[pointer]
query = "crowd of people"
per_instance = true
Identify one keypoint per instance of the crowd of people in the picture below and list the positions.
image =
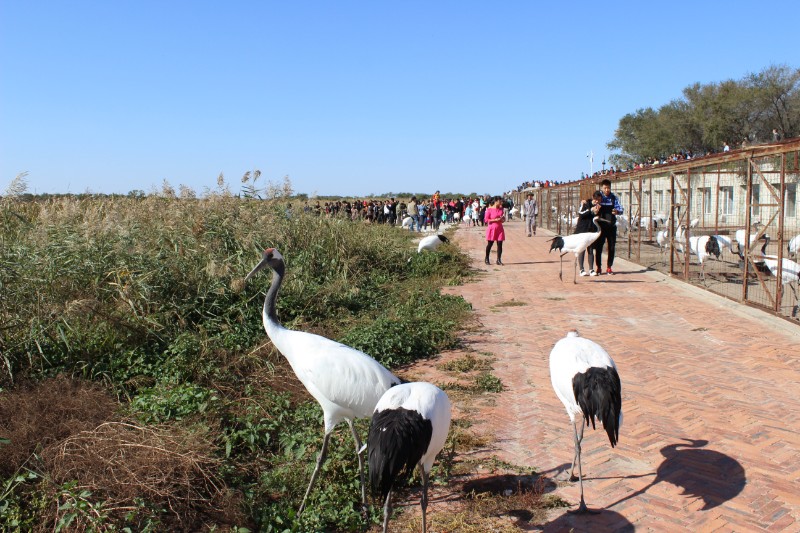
(422, 214)
(417, 214)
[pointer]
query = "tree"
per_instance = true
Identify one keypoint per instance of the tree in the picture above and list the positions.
(709, 115)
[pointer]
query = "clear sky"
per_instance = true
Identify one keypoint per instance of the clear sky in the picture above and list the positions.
(351, 97)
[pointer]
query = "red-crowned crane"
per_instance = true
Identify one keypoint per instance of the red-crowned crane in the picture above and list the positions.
(740, 235)
(346, 383)
(431, 242)
(576, 243)
(704, 246)
(662, 238)
(409, 427)
(586, 381)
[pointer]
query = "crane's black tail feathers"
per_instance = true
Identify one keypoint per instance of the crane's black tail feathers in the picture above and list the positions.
(398, 438)
(712, 247)
(557, 243)
(443, 238)
(598, 392)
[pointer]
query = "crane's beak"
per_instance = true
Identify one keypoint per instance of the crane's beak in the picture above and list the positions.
(258, 267)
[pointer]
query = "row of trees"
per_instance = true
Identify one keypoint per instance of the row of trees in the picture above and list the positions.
(709, 115)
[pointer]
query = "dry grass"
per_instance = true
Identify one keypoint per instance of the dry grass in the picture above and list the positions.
(120, 462)
(35, 416)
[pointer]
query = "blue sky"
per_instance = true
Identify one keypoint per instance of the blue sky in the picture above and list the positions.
(349, 97)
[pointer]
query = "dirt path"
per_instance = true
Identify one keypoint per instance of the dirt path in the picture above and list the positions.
(711, 391)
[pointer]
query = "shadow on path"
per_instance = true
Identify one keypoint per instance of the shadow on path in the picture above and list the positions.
(702, 474)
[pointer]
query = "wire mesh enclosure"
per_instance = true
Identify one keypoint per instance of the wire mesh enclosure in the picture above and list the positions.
(728, 222)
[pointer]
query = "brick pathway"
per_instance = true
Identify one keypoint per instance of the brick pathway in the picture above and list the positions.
(711, 393)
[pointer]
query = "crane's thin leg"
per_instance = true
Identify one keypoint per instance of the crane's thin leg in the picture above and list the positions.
(387, 512)
(572, 476)
(424, 500)
(575, 271)
(320, 460)
(561, 266)
(582, 509)
(364, 506)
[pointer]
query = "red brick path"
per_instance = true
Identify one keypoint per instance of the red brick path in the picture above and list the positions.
(711, 393)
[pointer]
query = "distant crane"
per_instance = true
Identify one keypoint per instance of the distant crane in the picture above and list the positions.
(346, 383)
(704, 246)
(408, 429)
(586, 381)
(790, 273)
(576, 243)
(740, 236)
(662, 238)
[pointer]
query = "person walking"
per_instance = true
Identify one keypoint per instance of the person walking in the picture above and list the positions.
(609, 209)
(493, 218)
(531, 207)
(586, 212)
(414, 214)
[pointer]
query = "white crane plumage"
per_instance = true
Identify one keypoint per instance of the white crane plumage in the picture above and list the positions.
(790, 272)
(407, 221)
(740, 236)
(408, 429)
(431, 242)
(794, 245)
(586, 381)
(345, 382)
(623, 226)
(704, 246)
(725, 242)
(662, 238)
(575, 243)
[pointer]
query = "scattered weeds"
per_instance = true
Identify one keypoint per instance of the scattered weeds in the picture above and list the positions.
(468, 363)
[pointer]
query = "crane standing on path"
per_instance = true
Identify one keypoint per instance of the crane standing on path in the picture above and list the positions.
(576, 243)
(585, 379)
(346, 383)
(408, 429)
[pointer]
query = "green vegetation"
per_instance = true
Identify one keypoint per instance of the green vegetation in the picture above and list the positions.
(125, 325)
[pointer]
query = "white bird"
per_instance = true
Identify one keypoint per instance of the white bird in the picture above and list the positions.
(725, 242)
(790, 272)
(346, 383)
(662, 238)
(740, 235)
(694, 222)
(408, 429)
(431, 242)
(702, 247)
(794, 245)
(586, 381)
(513, 211)
(680, 237)
(622, 224)
(576, 243)
(407, 221)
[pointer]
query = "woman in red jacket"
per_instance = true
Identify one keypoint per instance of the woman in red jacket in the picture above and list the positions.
(494, 228)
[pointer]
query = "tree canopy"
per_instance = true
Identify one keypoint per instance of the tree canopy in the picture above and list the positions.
(707, 116)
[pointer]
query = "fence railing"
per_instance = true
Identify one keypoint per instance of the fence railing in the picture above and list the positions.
(741, 204)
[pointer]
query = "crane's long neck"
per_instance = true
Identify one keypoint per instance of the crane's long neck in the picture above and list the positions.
(269, 314)
(596, 223)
